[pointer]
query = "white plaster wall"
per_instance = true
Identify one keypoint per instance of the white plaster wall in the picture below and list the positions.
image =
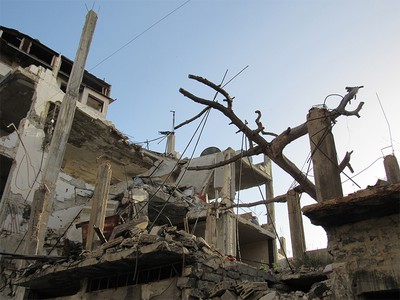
(61, 219)
(31, 161)
(46, 90)
(8, 145)
(4, 69)
(89, 110)
(24, 177)
(66, 188)
(28, 158)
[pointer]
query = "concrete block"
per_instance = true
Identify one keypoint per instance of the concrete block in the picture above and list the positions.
(328, 269)
(206, 286)
(187, 271)
(213, 263)
(220, 288)
(211, 277)
(162, 245)
(228, 295)
(271, 296)
(190, 294)
(148, 238)
(233, 274)
(186, 282)
(202, 243)
(156, 230)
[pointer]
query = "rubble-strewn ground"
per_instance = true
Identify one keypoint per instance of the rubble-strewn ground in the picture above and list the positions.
(160, 255)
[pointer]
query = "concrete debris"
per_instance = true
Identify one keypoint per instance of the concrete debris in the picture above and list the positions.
(246, 289)
(167, 231)
(319, 290)
(206, 274)
(270, 296)
(221, 287)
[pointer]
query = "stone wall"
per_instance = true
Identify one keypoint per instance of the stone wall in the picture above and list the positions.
(366, 258)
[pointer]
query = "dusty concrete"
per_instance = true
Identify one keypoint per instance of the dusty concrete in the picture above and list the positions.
(363, 237)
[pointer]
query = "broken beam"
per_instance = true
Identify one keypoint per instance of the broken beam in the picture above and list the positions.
(30, 257)
(100, 234)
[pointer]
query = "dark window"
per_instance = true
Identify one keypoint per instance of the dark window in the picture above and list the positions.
(5, 166)
(133, 278)
(95, 103)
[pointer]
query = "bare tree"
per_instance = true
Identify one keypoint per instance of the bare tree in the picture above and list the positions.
(258, 144)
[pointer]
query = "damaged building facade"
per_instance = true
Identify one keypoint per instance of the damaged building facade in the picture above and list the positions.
(142, 183)
(131, 223)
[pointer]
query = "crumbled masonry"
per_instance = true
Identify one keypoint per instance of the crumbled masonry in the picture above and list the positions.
(126, 222)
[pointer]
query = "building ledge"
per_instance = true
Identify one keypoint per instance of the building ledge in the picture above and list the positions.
(365, 204)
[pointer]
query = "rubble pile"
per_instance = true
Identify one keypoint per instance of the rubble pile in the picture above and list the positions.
(203, 272)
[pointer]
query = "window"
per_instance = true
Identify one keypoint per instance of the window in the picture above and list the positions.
(95, 103)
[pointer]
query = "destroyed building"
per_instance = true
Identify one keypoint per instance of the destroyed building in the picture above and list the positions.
(33, 83)
(132, 223)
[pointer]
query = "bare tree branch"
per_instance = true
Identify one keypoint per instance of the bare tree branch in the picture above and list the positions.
(346, 162)
(217, 88)
(256, 138)
(260, 127)
(341, 109)
(288, 136)
(192, 119)
(267, 148)
(273, 149)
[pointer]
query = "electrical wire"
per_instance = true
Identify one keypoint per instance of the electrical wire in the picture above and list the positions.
(28, 160)
(317, 147)
(330, 95)
(203, 123)
(139, 35)
(387, 122)
(363, 170)
(173, 169)
(269, 215)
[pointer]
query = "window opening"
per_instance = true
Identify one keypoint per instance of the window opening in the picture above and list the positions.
(141, 277)
(95, 103)
(5, 167)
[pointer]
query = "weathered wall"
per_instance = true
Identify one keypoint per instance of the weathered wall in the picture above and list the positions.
(4, 69)
(29, 154)
(164, 289)
(366, 257)
(255, 254)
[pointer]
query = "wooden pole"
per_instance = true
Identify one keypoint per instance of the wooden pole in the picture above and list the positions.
(226, 223)
(99, 202)
(43, 198)
(296, 225)
(269, 194)
(324, 157)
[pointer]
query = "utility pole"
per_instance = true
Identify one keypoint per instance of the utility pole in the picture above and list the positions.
(271, 220)
(296, 225)
(43, 198)
(99, 202)
(323, 154)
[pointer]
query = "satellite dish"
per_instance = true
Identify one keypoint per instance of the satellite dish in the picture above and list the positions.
(210, 150)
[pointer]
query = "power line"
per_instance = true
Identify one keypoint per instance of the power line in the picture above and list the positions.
(140, 34)
(387, 121)
(363, 170)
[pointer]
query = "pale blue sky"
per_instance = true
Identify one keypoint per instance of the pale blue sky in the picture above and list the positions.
(298, 52)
